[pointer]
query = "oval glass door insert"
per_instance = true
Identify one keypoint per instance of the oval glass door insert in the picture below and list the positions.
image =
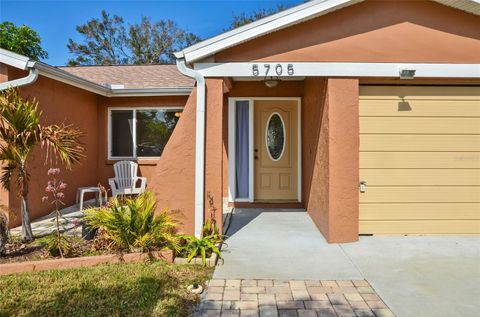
(275, 136)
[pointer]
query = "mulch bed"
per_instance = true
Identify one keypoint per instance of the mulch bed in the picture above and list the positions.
(17, 251)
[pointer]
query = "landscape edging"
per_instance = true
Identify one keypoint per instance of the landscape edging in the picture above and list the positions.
(84, 261)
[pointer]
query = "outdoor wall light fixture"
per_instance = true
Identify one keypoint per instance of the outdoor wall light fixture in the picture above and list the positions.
(270, 83)
(407, 73)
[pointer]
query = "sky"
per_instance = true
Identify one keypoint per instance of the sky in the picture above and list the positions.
(55, 20)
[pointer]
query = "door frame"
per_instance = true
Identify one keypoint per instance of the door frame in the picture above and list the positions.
(231, 146)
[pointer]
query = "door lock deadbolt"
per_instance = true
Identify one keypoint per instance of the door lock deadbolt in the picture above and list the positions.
(363, 186)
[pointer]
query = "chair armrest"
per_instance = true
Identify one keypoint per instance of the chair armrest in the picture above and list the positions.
(113, 185)
(143, 182)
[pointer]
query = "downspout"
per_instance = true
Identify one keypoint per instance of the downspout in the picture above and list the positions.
(27, 80)
(199, 144)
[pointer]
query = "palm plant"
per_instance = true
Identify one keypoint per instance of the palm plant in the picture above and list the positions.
(20, 132)
(131, 224)
(203, 247)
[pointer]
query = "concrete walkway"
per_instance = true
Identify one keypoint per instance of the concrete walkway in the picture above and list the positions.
(47, 224)
(281, 245)
(415, 276)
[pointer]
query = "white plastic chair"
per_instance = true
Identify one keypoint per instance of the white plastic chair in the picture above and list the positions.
(126, 179)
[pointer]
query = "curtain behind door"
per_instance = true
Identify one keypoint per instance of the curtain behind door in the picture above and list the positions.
(242, 149)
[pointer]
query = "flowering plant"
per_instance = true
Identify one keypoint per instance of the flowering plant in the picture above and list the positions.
(55, 191)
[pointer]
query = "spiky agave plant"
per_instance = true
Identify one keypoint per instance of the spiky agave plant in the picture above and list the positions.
(131, 224)
(201, 247)
(20, 132)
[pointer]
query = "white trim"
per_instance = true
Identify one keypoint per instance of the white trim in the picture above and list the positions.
(27, 80)
(299, 141)
(327, 69)
(38, 68)
(199, 144)
(284, 136)
(231, 146)
(231, 150)
(284, 19)
(134, 131)
(15, 60)
(261, 27)
(68, 78)
(251, 123)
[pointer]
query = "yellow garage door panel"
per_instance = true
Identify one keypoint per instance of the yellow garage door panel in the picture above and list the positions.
(415, 177)
(419, 159)
(419, 108)
(379, 142)
(422, 211)
(421, 227)
(417, 125)
(424, 194)
(419, 92)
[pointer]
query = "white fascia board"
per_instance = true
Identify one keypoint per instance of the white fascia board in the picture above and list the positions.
(327, 69)
(15, 60)
(261, 27)
(145, 92)
(65, 77)
(275, 22)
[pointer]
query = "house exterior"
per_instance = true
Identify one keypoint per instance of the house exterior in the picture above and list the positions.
(364, 113)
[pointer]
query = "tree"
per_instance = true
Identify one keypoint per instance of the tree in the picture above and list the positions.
(107, 41)
(246, 18)
(22, 40)
(20, 132)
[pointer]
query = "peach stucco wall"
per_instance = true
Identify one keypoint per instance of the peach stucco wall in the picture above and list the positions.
(315, 160)
(330, 156)
(171, 177)
(372, 31)
(343, 139)
(214, 148)
(59, 103)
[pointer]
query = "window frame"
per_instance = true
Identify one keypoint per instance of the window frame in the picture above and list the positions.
(134, 132)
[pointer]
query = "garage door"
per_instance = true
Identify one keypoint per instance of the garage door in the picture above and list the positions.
(420, 159)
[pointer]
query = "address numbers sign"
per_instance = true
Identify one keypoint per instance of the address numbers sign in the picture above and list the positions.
(273, 70)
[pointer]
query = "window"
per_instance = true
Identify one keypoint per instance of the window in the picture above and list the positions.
(140, 132)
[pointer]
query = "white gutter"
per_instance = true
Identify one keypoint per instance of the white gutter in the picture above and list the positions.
(20, 62)
(29, 79)
(38, 68)
(199, 144)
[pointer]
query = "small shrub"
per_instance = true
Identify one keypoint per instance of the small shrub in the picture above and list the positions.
(3, 232)
(57, 245)
(203, 247)
(55, 191)
(130, 224)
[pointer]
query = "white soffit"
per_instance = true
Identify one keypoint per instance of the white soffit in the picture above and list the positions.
(284, 19)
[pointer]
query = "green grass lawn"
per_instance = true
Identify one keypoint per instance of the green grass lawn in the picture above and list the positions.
(146, 289)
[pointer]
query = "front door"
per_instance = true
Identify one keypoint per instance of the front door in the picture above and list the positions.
(276, 150)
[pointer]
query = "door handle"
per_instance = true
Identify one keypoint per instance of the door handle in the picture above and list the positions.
(363, 186)
(255, 157)
(256, 150)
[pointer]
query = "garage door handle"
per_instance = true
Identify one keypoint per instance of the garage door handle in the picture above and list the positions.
(363, 186)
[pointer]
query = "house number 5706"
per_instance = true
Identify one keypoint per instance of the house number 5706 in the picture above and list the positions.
(272, 70)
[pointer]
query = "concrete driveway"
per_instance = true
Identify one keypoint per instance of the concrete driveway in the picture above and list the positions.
(415, 276)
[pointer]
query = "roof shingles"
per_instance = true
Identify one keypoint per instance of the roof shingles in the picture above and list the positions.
(133, 76)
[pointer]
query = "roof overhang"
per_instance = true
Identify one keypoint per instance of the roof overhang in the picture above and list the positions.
(68, 78)
(284, 19)
(25, 63)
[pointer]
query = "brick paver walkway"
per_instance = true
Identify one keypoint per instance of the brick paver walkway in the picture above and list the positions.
(272, 298)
